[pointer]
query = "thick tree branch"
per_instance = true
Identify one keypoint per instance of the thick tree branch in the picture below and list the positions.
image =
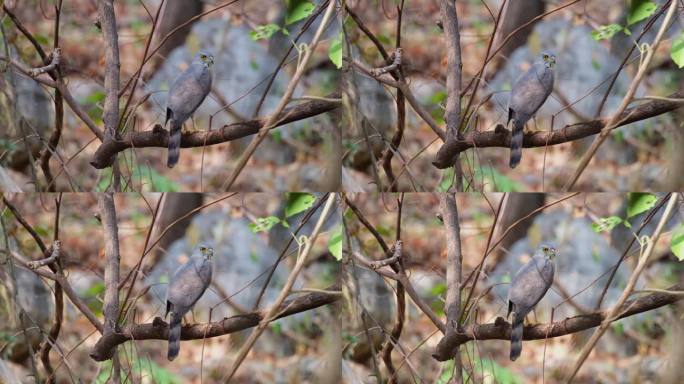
(500, 329)
(500, 136)
(158, 329)
(158, 136)
(110, 115)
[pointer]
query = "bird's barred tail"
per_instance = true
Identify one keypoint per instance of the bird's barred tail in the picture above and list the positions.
(174, 336)
(516, 336)
(516, 143)
(174, 143)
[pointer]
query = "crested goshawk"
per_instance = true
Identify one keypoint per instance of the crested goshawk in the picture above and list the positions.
(527, 288)
(528, 94)
(186, 94)
(186, 287)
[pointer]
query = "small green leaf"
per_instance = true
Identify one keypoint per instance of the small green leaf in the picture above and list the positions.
(335, 51)
(606, 224)
(298, 10)
(263, 224)
(639, 10)
(677, 51)
(677, 242)
(438, 290)
(298, 202)
(447, 180)
(605, 32)
(264, 31)
(640, 203)
(335, 242)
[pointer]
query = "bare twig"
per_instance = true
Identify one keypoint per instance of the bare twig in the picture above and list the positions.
(54, 64)
(55, 253)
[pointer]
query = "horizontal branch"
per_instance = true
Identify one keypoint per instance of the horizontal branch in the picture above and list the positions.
(158, 329)
(158, 136)
(500, 136)
(500, 329)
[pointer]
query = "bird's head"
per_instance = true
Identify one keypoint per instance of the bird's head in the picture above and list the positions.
(549, 59)
(206, 58)
(207, 252)
(549, 252)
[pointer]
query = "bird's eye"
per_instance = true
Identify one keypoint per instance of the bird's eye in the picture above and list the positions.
(546, 57)
(545, 249)
(203, 56)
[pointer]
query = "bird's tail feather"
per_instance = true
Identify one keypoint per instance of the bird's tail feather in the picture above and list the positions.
(516, 142)
(174, 336)
(516, 336)
(174, 143)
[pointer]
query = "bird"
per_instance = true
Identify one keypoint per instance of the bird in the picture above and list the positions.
(528, 94)
(186, 94)
(186, 287)
(529, 285)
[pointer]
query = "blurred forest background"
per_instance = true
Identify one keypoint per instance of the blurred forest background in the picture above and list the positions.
(591, 232)
(599, 45)
(256, 239)
(256, 45)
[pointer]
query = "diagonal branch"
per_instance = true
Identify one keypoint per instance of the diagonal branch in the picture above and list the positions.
(501, 329)
(158, 328)
(158, 136)
(500, 137)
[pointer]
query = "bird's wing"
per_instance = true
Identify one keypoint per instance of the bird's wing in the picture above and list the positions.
(186, 286)
(531, 90)
(529, 285)
(187, 92)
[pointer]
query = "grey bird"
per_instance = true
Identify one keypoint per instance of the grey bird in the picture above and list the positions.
(186, 94)
(186, 287)
(528, 94)
(527, 288)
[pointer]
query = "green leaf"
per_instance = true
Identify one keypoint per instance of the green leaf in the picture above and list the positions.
(447, 180)
(153, 180)
(298, 202)
(263, 224)
(640, 203)
(438, 290)
(677, 242)
(605, 32)
(606, 224)
(496, 180)
(335, 242)
(264, 31)
(677, 51)
(298, 10)
(335, 51)
(639, 10)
